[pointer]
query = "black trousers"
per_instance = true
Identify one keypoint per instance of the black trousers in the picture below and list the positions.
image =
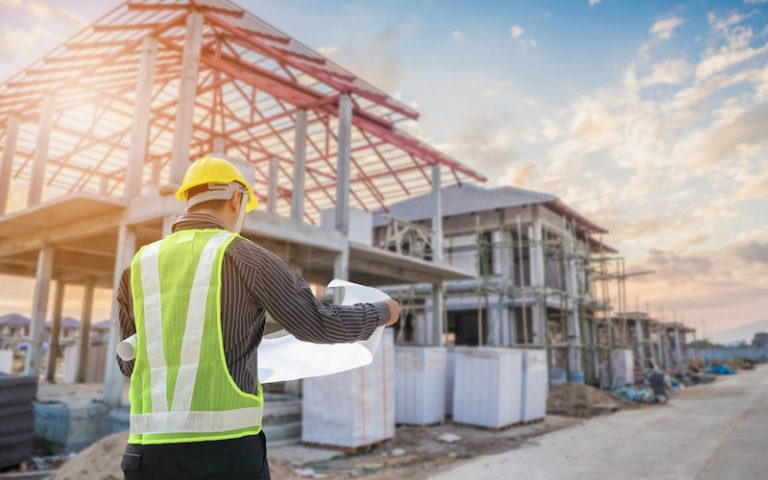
(240, 458)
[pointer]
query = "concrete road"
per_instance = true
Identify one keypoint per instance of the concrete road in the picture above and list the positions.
(715, 431)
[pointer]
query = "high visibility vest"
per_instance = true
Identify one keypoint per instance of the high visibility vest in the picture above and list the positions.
(181, 389)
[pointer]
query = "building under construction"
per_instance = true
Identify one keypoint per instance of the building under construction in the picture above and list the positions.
(97, 134)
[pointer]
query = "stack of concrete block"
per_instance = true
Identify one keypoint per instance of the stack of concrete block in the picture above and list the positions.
(534, 385)
(450, 373)
(355, 408)
(623, 367)
(420, 385)
(16, 419)
(488, 386)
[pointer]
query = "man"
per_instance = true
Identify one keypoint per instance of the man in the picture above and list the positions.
(197, 302)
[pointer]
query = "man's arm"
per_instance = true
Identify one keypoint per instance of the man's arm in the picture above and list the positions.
(127, 325)
(290, 302)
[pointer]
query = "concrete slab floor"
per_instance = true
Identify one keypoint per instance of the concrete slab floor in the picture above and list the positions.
(708, 432)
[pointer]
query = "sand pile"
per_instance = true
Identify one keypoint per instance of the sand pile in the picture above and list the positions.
(100, 461)
(577, 400)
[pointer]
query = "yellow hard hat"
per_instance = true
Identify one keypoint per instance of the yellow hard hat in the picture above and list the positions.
(210, 169)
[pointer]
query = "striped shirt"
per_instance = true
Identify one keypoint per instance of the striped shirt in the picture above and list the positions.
(255, 281)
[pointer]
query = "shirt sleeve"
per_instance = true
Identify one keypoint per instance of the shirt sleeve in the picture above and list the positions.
(125, 311)
(290, 302)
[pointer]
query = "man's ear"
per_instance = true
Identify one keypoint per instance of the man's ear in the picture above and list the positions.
(234, 202)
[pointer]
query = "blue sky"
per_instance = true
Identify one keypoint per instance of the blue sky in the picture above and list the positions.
(647, 116)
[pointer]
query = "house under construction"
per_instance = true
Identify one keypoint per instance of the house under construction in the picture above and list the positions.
(97, 134)
(544, 277)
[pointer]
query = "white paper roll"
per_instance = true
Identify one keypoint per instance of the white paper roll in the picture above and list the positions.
(287, 358)
(126, 349)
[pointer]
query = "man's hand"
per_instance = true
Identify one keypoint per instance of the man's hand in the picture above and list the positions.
(394, 310)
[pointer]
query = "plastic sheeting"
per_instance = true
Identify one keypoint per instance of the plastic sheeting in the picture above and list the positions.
(284, 357)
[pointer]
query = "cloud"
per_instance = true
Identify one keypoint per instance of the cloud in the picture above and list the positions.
(672, 266)
(517, 33)
(458, 37)
(753, 252)
(592, 3)
(726, 58)
(375, 58)
(43, 10)
(25, 42)
(669, 72)
(10, 4)
(663, 29)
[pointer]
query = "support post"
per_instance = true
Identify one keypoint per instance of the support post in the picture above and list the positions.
(678, 348)
(299, 166)
(137, 148)
(343, 164)
(6, 168)
(340, 271)
(53, 343)
(84, 343)
(536, 254)
(185, 109)
(437, 214)
(640, 342)
(274, 173)
(575, 369)
(438, 314)
(39, 311)
(37, 179)
(113, 378)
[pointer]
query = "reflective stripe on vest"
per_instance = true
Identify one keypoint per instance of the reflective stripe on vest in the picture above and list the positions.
(236, 411)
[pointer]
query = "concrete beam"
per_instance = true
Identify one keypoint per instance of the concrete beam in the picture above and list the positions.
(261, 223)
(39, 311)
(437, 214)
(113, 377)
(299, 166)
(343, 164)
(137, 148)
(53, 344)
(640, 342)
(37, 179)
(6, 168)
(84, 342)
(340, 271)
(274, 179)
(185, 109)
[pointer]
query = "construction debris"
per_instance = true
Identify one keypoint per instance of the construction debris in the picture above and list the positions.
(577, 400)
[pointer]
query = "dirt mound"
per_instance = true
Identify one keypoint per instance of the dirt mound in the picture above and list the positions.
(577, 400)
(100, 461)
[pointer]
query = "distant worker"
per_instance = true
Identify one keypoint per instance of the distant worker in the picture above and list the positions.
(197, 301)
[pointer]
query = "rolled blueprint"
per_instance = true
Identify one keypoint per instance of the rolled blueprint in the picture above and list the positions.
(284, 357)
(287, 358)
(126, 349)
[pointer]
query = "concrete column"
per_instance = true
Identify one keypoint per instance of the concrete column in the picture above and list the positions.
(299, 166)
(113, 378)
(137, 148)
(168, 221)
(576, 371)
(438, 314)
(6, 168)
(53, 343)
(185, 108)
(678, 348)
(84, 342)
(536, 254)
(437, 214)
(37, 179)
(662, 350)
(39, 311)
(343, 164)
(640, 342)
(274, 179)
(340, 271)
(594, 357)
(219, 146)
(652, 346)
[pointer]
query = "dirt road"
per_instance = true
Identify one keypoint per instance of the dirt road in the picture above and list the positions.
(716, 431)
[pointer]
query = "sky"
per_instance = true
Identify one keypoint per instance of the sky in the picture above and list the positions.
(650, 118)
